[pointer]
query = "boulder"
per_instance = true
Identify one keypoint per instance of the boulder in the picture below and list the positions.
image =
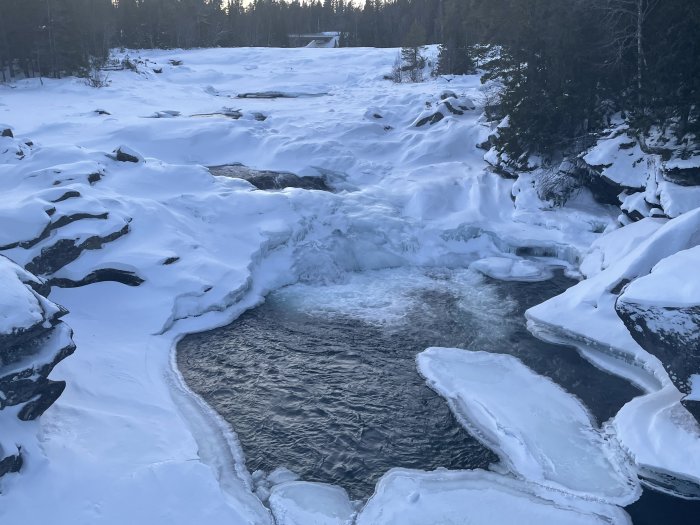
(33, 340)
(661, 311)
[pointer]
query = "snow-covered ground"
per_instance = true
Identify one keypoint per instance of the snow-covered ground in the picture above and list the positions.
(127, 441)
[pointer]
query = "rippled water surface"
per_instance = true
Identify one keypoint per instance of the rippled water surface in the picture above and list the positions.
(322, 379)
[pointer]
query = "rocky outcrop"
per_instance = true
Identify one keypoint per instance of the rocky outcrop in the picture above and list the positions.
(33, 340)
(449, 104)
(662, 313)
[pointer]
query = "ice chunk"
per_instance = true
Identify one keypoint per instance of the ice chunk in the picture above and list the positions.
(512, 269)
(477, 497)
(307, 503)
(542, 433)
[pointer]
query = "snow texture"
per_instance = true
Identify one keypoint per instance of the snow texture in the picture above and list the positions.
(477, 497)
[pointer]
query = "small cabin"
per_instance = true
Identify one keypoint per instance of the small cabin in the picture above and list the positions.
(323, 39)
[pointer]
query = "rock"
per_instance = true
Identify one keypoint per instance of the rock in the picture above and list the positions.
(48, 394)
(33, 340)
(683, 176)
(661, 311)
(64, 251)
(671, 334)
(430, 119)
(6, 132)
(10, 463)
(269, 180)
(126, 154)
(99, 276)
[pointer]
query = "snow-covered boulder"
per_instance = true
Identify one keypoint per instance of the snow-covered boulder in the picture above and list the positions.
(126, 154)
(270, 180)
(662, 437)
(32, 341)
(448, 105)
(662, 312)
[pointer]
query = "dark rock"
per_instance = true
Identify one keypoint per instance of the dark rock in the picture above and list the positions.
(174, 62)
(99, 276)
(158, 70)
(693, 407)
(683, 176)
(617, 289)
(270, 180)
(670, 333)
(278, 94)
(453, 109)
(377, 116)
(43, 401)
(430, 119)
(94, 177)
(7, 132)
(11, 463)
(102, 112)
(67, 195)
(603, 189)
(260, 117)
(125, 156)
(64, 251)
(170, 260)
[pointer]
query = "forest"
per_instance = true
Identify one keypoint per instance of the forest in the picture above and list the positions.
(563, 66)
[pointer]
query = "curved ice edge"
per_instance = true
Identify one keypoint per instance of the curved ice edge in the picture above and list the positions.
(612, 360)
(218, 445)
(408, 497)
(618, 362)
(618, 456)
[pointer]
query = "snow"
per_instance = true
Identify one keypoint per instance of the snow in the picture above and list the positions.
(668, 284)
(307, 503)
(554, 444)
(408, 497)
(20, 307)
(621, 159)
(127, 441)
(616, 244)
(655, 429)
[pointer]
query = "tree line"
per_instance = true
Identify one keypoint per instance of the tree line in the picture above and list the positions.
(564, 66)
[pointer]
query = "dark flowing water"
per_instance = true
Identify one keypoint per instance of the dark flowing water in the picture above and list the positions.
(323, 380)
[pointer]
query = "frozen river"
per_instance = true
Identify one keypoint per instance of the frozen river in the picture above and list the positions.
(323, 379)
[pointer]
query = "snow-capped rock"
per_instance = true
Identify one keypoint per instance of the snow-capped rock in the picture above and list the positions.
(662, 312)
(33, 340)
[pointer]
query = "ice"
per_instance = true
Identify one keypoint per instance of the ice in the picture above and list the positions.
(512, 269)
(410, 497)
(555, 444)
(655, 429)
(307, 503)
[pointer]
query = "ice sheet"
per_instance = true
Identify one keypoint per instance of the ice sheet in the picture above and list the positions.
(542, 433)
